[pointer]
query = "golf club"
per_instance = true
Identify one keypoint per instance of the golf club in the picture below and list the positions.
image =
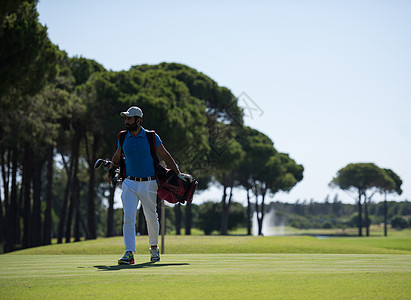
(106, 163)
(114, 175)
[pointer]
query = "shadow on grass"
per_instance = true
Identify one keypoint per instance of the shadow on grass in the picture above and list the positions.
(138, 266)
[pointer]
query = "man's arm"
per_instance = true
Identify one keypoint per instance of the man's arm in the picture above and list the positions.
(115, 159)
(166, 156)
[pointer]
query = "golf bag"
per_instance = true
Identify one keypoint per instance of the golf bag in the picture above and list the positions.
(170, 188)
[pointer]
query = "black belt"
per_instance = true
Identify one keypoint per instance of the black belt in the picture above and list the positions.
(141, 178)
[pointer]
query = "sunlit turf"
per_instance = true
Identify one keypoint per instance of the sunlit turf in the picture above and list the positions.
(215, 267)
(238, 244)
(207, 276)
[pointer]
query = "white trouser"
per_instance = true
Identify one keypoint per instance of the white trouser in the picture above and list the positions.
(146, 192)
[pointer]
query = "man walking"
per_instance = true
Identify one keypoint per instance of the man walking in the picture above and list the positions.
(140, 183)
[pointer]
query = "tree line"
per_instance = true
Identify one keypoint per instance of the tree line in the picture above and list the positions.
(335, 214)
(329, 214)
(59, 114)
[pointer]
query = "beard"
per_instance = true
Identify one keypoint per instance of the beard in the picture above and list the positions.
(132, 127)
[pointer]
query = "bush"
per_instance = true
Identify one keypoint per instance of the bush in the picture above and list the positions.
(209, 217)
(327, 225)
(237, 216)
(353, 222)
(399, 223)
(299, 222)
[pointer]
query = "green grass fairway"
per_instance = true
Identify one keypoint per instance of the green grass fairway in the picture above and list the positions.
(214, 267)
(207, 276)
(238, 244)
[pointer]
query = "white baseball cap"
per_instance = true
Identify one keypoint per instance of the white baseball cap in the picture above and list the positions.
(133, 111)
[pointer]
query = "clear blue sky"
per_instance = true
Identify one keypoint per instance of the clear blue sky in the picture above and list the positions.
(332, 78)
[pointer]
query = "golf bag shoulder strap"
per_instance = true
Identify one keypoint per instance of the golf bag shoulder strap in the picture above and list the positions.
(121, 137)
(151, 137)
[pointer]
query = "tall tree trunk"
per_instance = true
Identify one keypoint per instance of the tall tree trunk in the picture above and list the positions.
(82, 223)
(223, 206)
(110, 213)
(79, 220)
(230, 197)
(36, 216)
(69, 170)
(188, 219)
(5, 172)
(76, 203)
(19, 207)
(91, 210)
(49, 199)
(12, 216)
(257, 212)
(74, 187)
(225, 214)
(248, 213)
(76, 230)
(262, 211)
(385, 214)
(69, 220)
(2, 231)
(367, 225)
(27, 176)
(73, 202)
(177, 213)
(359, 214)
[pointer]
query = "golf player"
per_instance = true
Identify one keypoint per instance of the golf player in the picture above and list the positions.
(140, 183)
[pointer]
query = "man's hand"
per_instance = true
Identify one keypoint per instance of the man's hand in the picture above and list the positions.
(111, 174)
(185, 177)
